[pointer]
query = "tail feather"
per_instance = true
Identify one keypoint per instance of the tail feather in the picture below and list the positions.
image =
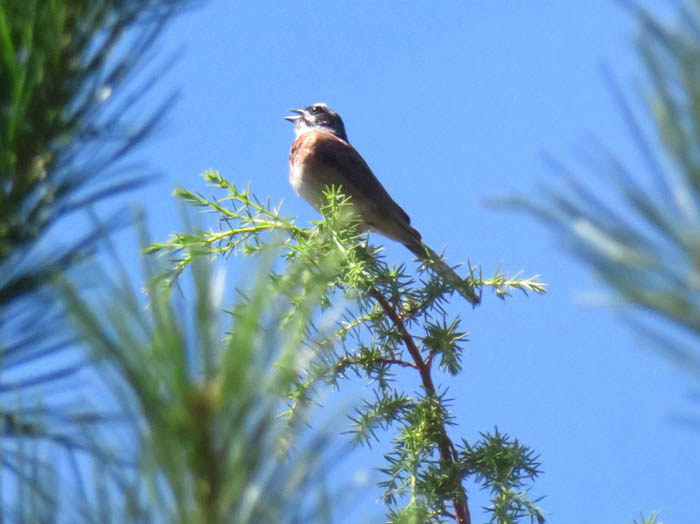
(432, 259)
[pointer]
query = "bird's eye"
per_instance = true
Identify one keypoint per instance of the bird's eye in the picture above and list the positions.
(315, 110)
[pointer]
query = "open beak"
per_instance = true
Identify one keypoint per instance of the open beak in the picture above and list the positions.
(300, 113)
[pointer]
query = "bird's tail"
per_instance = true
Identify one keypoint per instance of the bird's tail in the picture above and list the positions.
(435, 261)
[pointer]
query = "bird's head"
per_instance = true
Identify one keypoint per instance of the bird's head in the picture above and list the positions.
(317, 116)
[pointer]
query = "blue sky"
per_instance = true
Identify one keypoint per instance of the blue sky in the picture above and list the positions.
(452, 104)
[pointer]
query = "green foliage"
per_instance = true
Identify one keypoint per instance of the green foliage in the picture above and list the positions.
(66, 127)
(503, 465)
(58, 94)
(387, 321)
(639, 232)
(639, 229)
(200, 385)
(651, 519)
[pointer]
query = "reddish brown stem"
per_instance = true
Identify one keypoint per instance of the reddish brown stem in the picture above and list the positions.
(448, 454)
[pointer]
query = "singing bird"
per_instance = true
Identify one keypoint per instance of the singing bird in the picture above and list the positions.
(321, 156)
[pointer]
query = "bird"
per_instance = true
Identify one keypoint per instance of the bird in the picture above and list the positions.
(321, 156)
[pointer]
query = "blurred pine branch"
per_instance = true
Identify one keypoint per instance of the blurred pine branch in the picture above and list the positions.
(202, 385)
(67, 72)
(640, 232)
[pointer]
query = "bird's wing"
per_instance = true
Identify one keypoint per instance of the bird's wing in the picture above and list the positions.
(339, 155)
